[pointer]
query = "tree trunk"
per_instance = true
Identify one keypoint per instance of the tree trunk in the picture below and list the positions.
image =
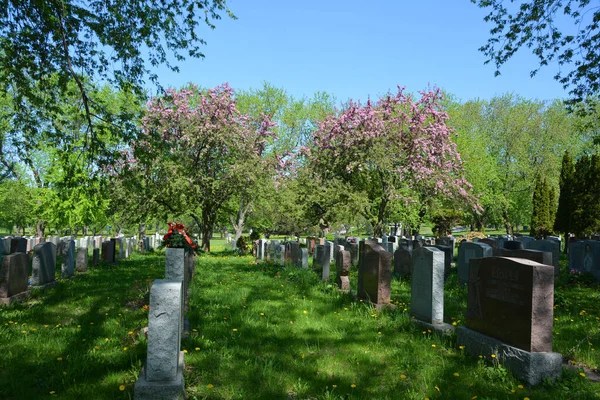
(507, 224)
(40, 228)
(142, 231)
(238, 224)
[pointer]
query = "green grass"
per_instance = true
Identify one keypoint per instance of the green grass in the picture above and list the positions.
(265, 332)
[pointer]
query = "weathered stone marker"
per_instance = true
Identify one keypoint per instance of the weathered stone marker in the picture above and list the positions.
(342, 264)
(467, 251)
(81, 261)
(402, 262)
(13, 277)
(43, 268)
(376, 275)
(67, 267)
(427, 289)
(510, 314)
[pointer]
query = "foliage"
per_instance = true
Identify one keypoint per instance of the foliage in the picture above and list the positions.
(255, 235)
(195, 152)
(47, 45)
(443, 220)
(563, 220)
(542, 215)
(586, 192)
(16, 205)
(243, 245)
(395, 151)
(538, 26)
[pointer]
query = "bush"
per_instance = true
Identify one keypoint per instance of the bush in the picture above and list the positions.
(255, 235)
(243, 244)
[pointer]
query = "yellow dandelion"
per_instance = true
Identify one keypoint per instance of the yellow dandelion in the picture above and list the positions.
(402, 376)
(116, 323)
(433, 345)
(493, 356)
(130, 333)
(302, 355)
(185, 351)
(353, 386)
(512, 390)
(437, 388)
(235, 329)
(456, 374)
(59, 358)
(91, 323)
(262, 314)
(525, 398)
(52, 392)
(454, 323)
(379, 333)
(194, 330)
(197, 349)
(79, 326)
(334, 386)
(210, 386)
(520, 386)
(473, 398)
(106, 339)
(582, 373)
(461, 347)
(305, 312)
(122, 387)
(96, 347)
(124, 348)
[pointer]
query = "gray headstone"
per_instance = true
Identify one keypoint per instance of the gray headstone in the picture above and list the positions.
(175, 264)
(467, 251)
(406, 244)
(43, 269)
(164, 330)
(81, 261)
(67, 267)
(329, 250)
(95, 256)
(584, 256)
(512, 245)
(526, 240)
(303, 260)
(448, 256)
(551, 246)
(353, 249)
(427, 286)
(5, 245)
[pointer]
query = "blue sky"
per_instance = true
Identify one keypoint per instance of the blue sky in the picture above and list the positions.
(356, 49)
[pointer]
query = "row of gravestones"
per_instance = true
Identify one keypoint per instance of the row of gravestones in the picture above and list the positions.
(162, 374)
(40, 263)
(501, 290)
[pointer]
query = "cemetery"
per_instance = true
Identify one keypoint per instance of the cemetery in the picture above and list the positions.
(220, 238)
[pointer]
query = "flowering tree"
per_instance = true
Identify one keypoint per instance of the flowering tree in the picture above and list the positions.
(196, 150)
(395, 151)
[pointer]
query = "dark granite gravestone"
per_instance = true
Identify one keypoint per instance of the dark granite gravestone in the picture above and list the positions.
(551, 246)
(446, 241)
(512, 245)
(13, 277)
(108, 251)
(44, 264)
(526, 240)
(95, 257)
(376, 274)
(342, 264)
(492, 242)
(406, 244)
(18, 245)
(68, 257)
(584, 256)
(467, 251)
(402, 262)
(512, 300)
(353, 249)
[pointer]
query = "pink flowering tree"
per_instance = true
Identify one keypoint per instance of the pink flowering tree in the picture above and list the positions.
(196, 150)
(374, 157)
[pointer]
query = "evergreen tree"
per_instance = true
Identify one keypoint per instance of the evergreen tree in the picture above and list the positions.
(563, 216)
(581, 197)
(536, 213)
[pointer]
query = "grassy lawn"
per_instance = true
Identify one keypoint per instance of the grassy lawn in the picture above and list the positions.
(266, 332)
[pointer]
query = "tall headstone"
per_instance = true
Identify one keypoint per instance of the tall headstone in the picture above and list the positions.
(5, 245)
(13, 277)
(402, 262)
(342, 264)
(81, 260)
(510, 314)
(352, 247)
(376, 274)
(95, 257)
(162, 375)
(294, 253)
(406, 244)
(108, 251)
(526, 240)
(329, 250)
(43, 268)
(427, 288)
(67, 267)
(467, 251)
(512, 245)
(303, 259)
(448, 256)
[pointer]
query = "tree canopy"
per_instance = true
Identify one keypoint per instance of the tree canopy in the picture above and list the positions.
(539, 25)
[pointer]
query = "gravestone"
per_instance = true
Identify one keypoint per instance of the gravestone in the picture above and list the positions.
(376, 275)
(43, 270)
(5, 245)
(303, 260)
(329, 250)
(294, 253)
(446, 241)
(427, 289)
(510, 314)
(343, 270)
(584, 256)
(467, 251)
(162, 374)
(406, 244)
(352, 247)
(448, 256)
(551, 246)
(402, 262)
(95, 257)
(526, 240)
(287, 253)
(108, 251)
(322, 261)
(261, 249)
(512, 245)
(18, 245)
(67, 267)
(81, 260)
(280, 254)
(492, 242)
(175, 270)
(13, 277)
